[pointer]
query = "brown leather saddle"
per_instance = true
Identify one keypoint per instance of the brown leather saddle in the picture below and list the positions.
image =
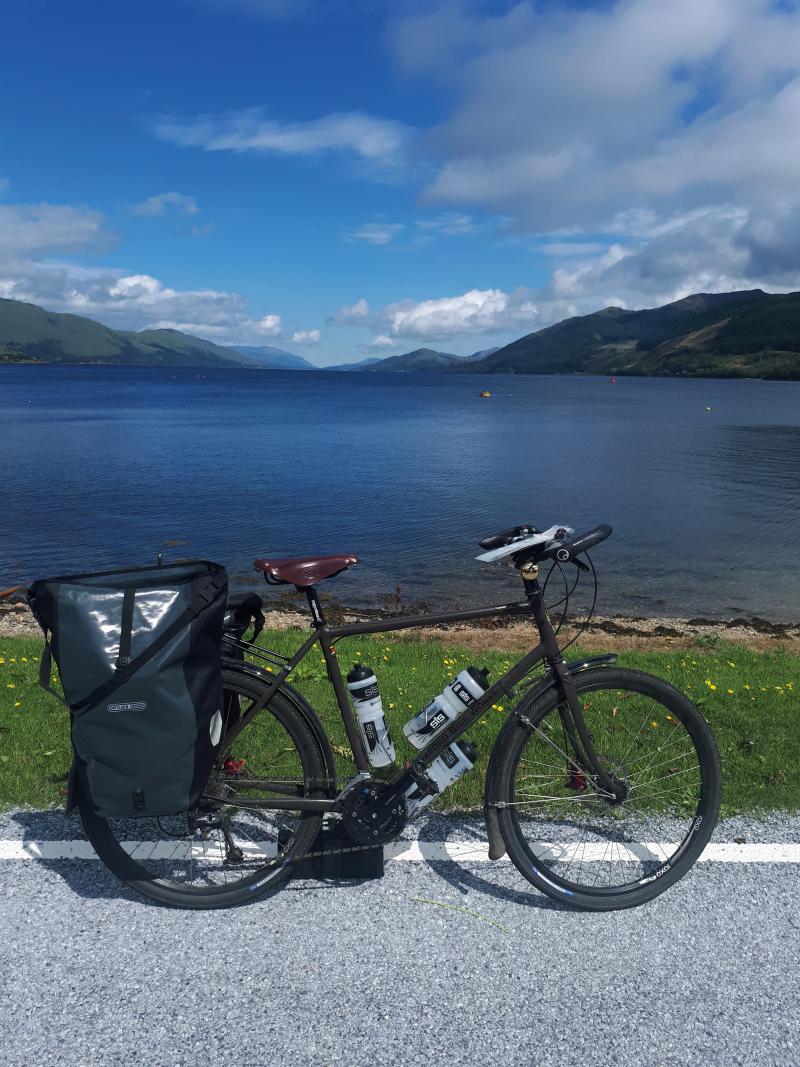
(303, 572)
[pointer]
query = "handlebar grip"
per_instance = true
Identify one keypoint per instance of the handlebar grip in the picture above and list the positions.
(567, 550)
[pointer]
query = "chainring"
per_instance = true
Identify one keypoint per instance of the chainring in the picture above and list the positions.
(373, 814)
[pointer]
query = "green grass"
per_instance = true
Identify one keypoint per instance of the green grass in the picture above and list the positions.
(748, 698)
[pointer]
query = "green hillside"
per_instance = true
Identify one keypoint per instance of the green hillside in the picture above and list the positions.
(749, 334)
(30, 334)
(421, 359)
(272, 358)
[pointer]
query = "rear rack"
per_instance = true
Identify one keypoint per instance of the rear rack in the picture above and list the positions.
(265, 654)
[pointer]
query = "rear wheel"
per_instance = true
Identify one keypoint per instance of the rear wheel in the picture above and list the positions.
(570, 838)
(223, 853)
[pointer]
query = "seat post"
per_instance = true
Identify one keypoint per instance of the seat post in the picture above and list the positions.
(314, 604)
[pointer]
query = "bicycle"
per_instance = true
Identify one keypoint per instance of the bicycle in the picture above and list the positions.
(603, 785)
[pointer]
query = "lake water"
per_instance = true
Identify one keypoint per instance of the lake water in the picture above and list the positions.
(103, 466)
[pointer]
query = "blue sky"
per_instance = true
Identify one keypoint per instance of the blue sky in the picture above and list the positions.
(362, 178)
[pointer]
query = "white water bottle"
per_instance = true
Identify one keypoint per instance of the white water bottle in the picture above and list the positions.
(366, 697)
(454, 762)
(456, 697)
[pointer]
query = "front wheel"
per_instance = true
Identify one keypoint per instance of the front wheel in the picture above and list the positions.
(571, 838)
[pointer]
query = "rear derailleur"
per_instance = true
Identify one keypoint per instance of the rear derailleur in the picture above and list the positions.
(203, 822)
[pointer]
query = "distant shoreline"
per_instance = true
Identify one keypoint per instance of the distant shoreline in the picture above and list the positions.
(32, 362)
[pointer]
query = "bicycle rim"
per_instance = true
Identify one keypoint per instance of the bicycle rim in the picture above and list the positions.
(185, 859)
(569, 836)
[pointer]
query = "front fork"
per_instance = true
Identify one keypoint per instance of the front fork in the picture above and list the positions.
(587, 760)
(573, 721)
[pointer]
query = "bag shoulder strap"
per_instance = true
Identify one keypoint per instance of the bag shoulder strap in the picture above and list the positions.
(45, 666)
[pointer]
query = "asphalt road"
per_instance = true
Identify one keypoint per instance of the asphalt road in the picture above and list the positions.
(364, 974)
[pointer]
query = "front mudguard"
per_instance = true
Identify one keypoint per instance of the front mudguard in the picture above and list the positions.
(289, 692)
(497, 846)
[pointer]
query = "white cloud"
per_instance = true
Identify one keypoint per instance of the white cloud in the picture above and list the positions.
(476, 311)
(268, 326)
(32, 235)
(163, 202)
(306, 337)
(382, 341)
(566, 116)
(375, 233)
(571, 248)
(372, 139)
(448, 224)
(352, 314)
(32, 229)
(718, 250)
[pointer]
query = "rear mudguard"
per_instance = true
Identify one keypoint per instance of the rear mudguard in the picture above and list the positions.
(497, 846)
(295, 699)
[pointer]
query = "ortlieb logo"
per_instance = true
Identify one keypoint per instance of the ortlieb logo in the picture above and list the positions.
(132, 705)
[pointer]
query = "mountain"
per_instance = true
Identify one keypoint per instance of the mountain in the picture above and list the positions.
(273, 358)
(749, 334)
(362, 365)
(484, 352)
(30, 333)
(421, 359)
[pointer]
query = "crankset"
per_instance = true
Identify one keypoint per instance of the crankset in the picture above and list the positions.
(373, 813)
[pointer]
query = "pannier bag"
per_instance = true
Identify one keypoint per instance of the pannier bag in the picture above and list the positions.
(138, 651)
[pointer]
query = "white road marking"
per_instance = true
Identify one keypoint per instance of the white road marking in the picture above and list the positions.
(413, 851)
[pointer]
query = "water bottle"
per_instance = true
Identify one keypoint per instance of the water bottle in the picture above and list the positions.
(454, 762)
(366, 697)
(454, 698)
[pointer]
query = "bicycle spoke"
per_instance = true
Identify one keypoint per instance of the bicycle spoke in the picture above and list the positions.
(583, 835)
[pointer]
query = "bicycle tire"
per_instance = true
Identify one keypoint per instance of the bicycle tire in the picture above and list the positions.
(547, 865)
(107, 836)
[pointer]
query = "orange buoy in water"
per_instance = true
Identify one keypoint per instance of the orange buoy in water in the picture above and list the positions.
(485, 393)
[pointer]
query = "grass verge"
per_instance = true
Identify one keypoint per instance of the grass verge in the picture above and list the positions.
(747, 697)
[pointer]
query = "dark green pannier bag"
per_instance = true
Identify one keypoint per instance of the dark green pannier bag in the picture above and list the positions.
(138, 651)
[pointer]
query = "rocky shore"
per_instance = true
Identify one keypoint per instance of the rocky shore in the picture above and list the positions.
(604, 633)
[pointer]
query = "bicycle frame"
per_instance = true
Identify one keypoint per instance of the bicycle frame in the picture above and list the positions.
(546, 650)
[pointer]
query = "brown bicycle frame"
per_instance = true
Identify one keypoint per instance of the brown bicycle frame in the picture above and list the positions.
(547, 650)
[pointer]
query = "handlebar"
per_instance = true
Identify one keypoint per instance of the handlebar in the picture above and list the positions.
(566, 551)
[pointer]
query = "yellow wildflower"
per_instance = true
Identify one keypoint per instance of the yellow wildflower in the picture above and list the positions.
(10, 685)
(731, 692)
